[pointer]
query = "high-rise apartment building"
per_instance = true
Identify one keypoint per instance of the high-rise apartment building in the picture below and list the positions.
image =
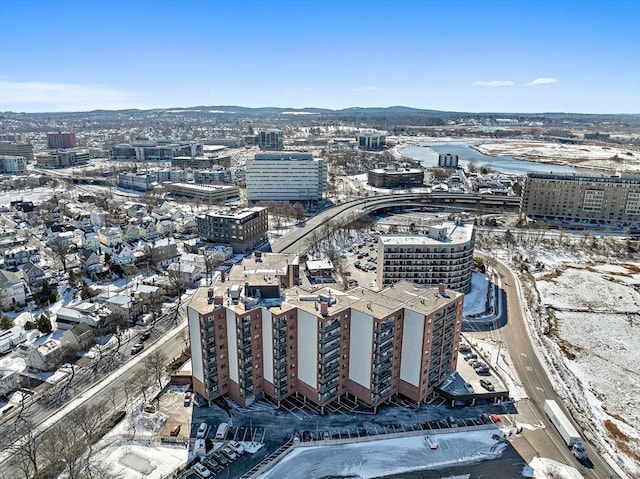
(243, 229)
(270, 139)
(568, 197)
(286, 176)
(61, 140)
(443, 256)
(255, 334)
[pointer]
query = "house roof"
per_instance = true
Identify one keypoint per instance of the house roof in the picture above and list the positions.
(7, 277)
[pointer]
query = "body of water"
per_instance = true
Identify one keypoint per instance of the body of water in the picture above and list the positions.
(428, 156)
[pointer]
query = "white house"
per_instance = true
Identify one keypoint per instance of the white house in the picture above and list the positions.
(122, 254)
(14, 292)
(91, 241)
(164, 227)
(189, 273)
(98, 218)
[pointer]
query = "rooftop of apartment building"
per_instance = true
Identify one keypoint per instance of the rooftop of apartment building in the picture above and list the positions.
(265, 271)
(236, 214)
(447, 232)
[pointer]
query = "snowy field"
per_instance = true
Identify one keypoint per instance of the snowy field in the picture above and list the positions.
(597, 323)
(391, 456)
(586, 156)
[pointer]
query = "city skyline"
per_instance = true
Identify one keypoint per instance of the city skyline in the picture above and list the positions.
(459, 56)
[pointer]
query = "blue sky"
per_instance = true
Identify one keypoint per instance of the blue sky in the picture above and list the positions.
(491, 55)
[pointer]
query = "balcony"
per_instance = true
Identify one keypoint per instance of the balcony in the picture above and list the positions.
(330, 346)
(326, 359)
(330, 326)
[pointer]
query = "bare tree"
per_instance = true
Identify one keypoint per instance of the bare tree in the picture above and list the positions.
(25, 451)
(60, 249)
(155, 366)
(212, 259)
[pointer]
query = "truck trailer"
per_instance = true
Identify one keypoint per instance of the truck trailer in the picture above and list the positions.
(568, 433)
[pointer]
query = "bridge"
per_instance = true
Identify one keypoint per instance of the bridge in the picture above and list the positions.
(357, 208)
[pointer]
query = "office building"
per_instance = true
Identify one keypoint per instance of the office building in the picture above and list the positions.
(206, 193)
(11, 148)
(13, 164)
(371, 140)
(448, 160)
(443, 256)
(286, 176)
(201, 162)
(581, 198)
(392, 177)
(161, 150)
(243, 229)
(270, 139)
(256, 334)
(61, 140)
(137, 181)
(63, 158)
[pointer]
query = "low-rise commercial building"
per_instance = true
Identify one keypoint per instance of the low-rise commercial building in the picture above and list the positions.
(161, 150)
(137, 181)
(371, 140)
(205, 193)
(393, 177)
(201, 162)
(63, 158)
(443, 256)
(12, 148)
(256, 335)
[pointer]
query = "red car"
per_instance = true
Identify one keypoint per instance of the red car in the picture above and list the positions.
(175, 430)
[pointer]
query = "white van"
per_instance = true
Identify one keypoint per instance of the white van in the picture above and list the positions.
(222, 431)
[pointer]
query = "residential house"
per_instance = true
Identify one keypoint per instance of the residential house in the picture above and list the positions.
(197, 260)
(17, 256)
(161, 281)
(135, 210)
(81, 336)
(91, 241)
(189, 273)
(124, 306)
(132, 231)
(8, 381)
(90, 261)
(110, 236)
(162, 252)
(14, 292)
(122, 254)
(147, 294)
(87, 313)
(98, 218)
(33, 274)
(164, 227)
(148, 229)
(186, 225)
(44, 354)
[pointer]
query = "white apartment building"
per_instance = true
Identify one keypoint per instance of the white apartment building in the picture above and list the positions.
(443, 256)
(13, 164)
(286, 176)
(137, 181)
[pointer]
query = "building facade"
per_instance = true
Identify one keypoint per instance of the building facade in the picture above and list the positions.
(63, 159)
(161, 150)
(137, 181)
(443, 256)
(255, 335)
(11, 148)
(244, 230)
(270, 139)
(447, 160)
(61, 140)
(371, 140)
(583, 198)
(206, 193)
(286, 177)
(396, 177)
(13, 164)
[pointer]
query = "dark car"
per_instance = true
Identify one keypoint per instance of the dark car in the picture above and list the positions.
(146, 335)
(136, 348)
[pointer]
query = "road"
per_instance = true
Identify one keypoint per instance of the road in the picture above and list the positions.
(545, 442)
(110, 389)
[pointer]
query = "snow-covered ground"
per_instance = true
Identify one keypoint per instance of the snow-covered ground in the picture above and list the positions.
(475, 301)
(543, 468)
(585, 316)
(587, 156)
(390, 456)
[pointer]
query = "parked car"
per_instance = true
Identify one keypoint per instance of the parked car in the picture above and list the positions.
(187, 399)
(488, 385)
(201, 470)
(136, 348)
(229, 453)
(202, 430)
(175, 430)
(236, 447)
(146, 335)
